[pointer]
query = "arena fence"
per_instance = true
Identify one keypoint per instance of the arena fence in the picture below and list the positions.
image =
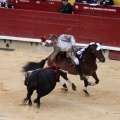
(9, 42)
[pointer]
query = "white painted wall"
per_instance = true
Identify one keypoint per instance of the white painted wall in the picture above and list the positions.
(34, 44)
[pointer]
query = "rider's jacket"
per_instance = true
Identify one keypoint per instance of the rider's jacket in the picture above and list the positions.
(65, 42)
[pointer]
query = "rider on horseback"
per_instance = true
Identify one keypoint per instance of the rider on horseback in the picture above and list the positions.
(64, 43)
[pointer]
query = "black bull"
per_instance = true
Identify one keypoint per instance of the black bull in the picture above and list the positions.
(41, 80)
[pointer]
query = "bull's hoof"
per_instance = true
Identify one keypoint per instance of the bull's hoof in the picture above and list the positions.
(38, 106)
(86, 92)
(30, 103)
(73, 87)
(64, 89)
(35, 100)
(25, 100)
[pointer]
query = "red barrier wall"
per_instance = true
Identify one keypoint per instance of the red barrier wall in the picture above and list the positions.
(115, 55)
(34, 24)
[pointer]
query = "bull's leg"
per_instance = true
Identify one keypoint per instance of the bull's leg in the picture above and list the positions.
(35, 100)
(38, 99)
(29, 94)
(94, 75)
(64, 75)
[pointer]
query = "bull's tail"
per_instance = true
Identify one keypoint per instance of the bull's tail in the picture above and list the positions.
(33, 65)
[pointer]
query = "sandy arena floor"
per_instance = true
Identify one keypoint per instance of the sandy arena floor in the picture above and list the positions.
(102, 104)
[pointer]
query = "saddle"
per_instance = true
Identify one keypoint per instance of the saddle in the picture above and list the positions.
(61, 56)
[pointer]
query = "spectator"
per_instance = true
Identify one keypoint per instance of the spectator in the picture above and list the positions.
(66, 7)
(4, 3)
(107, 2)
(92, 1)
(80, 1)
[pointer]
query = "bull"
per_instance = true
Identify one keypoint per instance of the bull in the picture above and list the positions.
(42, 80)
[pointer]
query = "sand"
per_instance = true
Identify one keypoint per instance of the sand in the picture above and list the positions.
(103, 103)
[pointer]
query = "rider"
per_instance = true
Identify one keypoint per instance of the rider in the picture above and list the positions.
(64, 43)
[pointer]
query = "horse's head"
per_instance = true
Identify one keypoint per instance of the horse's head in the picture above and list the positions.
(97, 51)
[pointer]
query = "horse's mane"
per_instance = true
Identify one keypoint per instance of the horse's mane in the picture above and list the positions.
(84, 49)
(80, 51)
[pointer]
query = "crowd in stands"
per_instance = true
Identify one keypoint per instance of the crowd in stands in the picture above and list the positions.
(66, 7)
(4, 3)
(102, 2)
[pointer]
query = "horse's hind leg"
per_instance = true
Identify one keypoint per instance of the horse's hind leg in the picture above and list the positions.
(64, 75)
(64, 85)
(86, 83)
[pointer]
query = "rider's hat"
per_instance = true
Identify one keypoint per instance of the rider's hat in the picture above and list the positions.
(53, 36)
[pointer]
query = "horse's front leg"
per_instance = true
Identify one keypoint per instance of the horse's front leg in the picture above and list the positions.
(94, 75)
(64, 75)
(86, 82)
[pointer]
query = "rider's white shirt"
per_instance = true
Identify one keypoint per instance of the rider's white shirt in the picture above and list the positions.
(65, 42)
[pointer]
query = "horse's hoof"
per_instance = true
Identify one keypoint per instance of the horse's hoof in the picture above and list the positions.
(86, 92)
(65, 87)
(73, 87)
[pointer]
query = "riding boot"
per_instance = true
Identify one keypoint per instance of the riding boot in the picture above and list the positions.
(78, 67)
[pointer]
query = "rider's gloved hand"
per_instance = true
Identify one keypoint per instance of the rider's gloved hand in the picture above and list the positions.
(43, 39)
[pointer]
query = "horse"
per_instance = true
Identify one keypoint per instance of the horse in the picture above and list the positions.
(87, 57)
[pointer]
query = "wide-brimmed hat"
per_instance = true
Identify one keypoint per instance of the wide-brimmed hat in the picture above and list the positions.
(53, 36)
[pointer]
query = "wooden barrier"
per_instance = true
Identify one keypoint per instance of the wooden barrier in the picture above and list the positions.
(12, 43)
(115, 55)
(35, 44)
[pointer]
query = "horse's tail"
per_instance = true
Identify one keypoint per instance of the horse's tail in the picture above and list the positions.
(33, 65)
